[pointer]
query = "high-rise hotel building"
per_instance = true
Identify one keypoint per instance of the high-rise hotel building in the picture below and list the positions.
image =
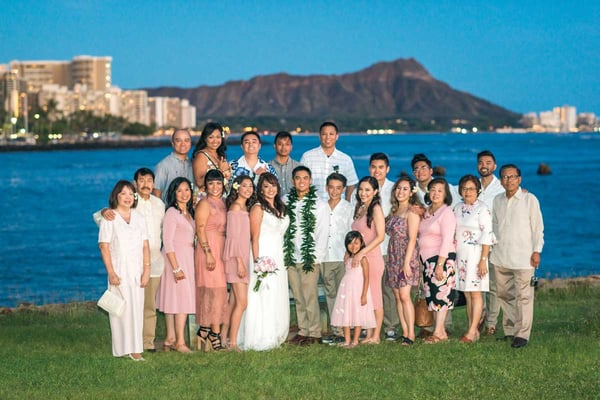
(94, 72)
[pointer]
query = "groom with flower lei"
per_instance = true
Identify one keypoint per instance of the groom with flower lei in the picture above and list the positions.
(305, 245)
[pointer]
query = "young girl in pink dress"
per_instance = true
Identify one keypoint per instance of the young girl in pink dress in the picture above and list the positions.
(353, 304)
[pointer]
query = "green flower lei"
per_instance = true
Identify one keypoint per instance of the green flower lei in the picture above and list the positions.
(308, 222)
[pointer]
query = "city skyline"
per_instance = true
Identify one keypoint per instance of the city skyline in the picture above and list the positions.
(524, 56)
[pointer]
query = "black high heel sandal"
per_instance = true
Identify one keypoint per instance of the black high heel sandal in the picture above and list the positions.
(202, 343)
(215, 341)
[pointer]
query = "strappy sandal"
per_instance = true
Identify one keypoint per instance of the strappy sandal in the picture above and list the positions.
(214, 339)
(202, 342)
(406, 341)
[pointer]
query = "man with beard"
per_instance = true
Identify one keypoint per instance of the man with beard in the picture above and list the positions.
(490, 188)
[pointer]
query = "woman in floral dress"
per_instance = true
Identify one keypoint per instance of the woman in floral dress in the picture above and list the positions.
(474, 236)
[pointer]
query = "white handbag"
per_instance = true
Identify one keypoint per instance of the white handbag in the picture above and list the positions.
(111, 302)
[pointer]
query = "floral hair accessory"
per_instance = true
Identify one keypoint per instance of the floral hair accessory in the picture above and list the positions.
(235, 185)
(135, 196)
(414, 189)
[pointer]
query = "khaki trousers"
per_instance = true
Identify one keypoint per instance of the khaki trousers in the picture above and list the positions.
(306, 297)
(491, 300)
(332, 273)
(149, 329)
(515, 297)
(390, 310)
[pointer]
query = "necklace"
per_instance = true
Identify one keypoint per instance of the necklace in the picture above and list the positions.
(308, 222)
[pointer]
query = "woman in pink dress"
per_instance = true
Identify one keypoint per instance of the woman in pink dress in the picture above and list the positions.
(353, 303)
(211, 295)
(236, 255)
(370, 222)
(438, 254)
(176, 293)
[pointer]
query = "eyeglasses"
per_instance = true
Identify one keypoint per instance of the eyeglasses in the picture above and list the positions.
(468, 189)
(421, 168)
(510, 177)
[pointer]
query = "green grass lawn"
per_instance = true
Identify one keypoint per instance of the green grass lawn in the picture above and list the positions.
(67, 355)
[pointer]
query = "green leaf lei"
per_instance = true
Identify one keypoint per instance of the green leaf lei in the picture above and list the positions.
(308, 222)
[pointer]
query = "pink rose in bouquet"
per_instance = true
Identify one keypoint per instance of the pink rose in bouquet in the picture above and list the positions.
(263, 267)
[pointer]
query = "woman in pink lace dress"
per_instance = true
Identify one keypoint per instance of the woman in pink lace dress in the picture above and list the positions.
(370, 222)
(211, 295)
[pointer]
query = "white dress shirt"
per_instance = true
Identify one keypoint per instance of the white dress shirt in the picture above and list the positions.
(321, 166)
(519, 229)
(340, 223)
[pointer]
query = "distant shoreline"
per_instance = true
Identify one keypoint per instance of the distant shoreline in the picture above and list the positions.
(544, 285)
(91, 145)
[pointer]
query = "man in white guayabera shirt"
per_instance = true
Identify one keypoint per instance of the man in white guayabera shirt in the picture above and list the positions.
(519, 228)
(326, 159)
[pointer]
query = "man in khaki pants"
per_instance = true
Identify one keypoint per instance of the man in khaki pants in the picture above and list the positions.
(519, 228)
(305, 244)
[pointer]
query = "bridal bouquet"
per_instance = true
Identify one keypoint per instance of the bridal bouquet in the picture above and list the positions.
(263, 266)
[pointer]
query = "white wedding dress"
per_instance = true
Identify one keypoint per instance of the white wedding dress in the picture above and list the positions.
(266, 322)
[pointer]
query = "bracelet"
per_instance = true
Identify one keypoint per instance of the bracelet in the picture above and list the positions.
(483, 258)
(177, 270)
(440, 264)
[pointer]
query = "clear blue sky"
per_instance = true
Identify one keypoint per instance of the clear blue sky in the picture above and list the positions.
(523, 55)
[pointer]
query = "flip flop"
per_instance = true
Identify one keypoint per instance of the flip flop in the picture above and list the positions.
(434, 339)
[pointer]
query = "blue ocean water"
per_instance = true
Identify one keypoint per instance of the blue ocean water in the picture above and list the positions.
(48, 241)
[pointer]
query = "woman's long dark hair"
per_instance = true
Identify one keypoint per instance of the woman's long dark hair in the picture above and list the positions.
(172, 199)
(234, 193)
(279, 208)
(208, 129)
(412, 200)
(376, 199)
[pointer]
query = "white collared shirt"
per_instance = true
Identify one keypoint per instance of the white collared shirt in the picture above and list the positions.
(340, 223)
(321, 166)
(519, 229)
(153, 211)
(492, 190)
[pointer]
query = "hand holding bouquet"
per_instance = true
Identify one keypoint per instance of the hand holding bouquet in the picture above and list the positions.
(263, 266)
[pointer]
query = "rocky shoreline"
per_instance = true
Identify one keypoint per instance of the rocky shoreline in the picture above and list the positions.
(45, 309)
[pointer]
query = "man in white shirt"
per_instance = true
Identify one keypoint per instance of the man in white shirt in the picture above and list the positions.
(175, 164)
(490, 188)
(519, 228)
(305, 245)
(250, 162)
(153, 210)
(326, 159)
(340, 223)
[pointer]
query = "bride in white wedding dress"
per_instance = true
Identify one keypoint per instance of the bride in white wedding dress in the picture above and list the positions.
(266, 322)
